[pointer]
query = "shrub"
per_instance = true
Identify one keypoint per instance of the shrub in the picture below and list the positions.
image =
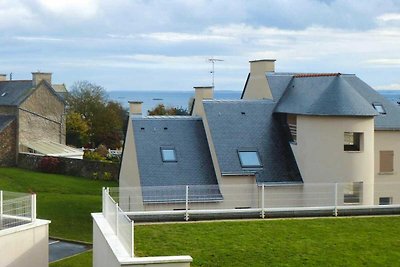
(102, 151)
(92, 155)
(107, 176)
(49, 164)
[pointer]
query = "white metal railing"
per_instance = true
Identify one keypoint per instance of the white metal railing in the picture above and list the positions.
(16, 209)
(251, 198)
(119, 222)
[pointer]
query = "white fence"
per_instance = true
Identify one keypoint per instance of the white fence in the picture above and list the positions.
(16, 209)
(262, 200)
(120, 223)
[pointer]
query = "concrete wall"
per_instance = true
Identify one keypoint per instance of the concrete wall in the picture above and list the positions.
(41, 116)
(25, 245)
(321, 157)
(387, 184)
(8, 145)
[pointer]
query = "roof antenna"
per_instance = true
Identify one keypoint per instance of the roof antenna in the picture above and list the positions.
(11, 74)
(213, 60)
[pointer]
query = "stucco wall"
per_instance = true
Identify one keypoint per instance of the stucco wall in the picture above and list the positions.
(41, 116)
(8, 145)
(25, 246)
(321, 157)
(387, 185)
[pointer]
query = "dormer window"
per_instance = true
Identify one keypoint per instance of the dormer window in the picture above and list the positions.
(249, 159)
(379, 107)
(168, 154)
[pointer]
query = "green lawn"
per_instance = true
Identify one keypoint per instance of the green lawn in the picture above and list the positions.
(307, 242)
(65, 200)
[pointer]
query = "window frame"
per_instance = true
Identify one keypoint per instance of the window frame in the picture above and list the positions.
(259, 166)
(163, 148)
(358, 139)
(375, 105)
(382, 202)
(382, 154)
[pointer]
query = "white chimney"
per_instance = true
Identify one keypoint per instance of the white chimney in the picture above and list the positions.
(262, 66)
(3, 77)
(38, 76)
(257, 86)
(135, 108)
(201, 93)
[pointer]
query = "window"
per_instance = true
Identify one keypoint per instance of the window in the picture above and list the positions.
(353, 193)
(386, 161)
(292, 123)
(352, 141)
(385, 201)
(379, 107)
(249, 159)
(168, 155)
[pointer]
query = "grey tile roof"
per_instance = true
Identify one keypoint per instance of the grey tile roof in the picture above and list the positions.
(15, 92)
(5, 120)
(194, 165)
(388, 121)
(323, 95)
(242, 124)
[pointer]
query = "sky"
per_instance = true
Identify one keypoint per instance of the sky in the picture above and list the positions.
(165, 45)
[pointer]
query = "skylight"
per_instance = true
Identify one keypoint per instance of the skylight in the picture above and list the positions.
(249, 159)
(379, 107)
(4, 94)
(168, 155)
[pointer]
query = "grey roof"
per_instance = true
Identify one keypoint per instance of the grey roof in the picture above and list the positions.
(15, 92)
(236, 125)
(329, 95)
(194, 165)
(5, 120)
(388, 121)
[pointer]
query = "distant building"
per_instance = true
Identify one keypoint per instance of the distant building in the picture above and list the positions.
(287, 131)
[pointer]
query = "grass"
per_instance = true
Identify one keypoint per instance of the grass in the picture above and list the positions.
(81, 260)
(65, 200)
(309, 242)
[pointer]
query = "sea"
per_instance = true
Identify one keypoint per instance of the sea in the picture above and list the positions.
(181, 98)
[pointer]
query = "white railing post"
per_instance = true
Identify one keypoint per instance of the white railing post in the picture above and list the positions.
(132, 240)
(103, 201)
(1, 204)
(187, 204)
(335, 212)
(33, 207)
(116, 219)
(263, 201)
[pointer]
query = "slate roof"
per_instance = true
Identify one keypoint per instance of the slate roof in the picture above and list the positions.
(323, 95)
(244, 124)
(194, 166)
(5, 120)
(15, 92)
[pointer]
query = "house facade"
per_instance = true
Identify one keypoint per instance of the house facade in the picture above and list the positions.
(290, 132)
(30, 111)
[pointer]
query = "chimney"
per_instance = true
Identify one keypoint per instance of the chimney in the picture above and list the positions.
(262, 66)
(3, 77)
(135, 108)
(257, 86)
(201, 93)
(37, 77)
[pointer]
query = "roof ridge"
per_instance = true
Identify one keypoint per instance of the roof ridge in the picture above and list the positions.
(306, 75)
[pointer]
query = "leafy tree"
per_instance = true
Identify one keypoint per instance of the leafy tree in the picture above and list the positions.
(105, 119)
(77, 129)
(160, 109)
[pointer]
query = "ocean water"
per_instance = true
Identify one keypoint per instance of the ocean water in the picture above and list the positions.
(181, 98)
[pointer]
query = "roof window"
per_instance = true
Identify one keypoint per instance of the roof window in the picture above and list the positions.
(379, 107)
(249, 159)
(4, 94)
(168, 154)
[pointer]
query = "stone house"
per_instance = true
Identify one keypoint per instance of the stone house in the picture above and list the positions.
(30, 111)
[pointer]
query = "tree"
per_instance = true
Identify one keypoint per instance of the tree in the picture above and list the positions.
(160, 109)
(77, 129)
(105, 119)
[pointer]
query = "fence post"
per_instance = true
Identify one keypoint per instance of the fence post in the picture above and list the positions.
(187, 204)
(103, 198)
(132, 240)
(335, 212)
(262, 201)
(33, 207)
(116, 219)
(1, 204)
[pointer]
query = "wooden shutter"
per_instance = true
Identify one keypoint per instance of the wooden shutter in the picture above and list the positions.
(386, 161)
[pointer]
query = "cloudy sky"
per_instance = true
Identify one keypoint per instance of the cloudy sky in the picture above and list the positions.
(164, 45)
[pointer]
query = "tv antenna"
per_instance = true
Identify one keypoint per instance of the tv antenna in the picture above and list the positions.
(213, 60)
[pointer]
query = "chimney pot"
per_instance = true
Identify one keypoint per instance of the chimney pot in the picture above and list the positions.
(135, 108)
(38, 76)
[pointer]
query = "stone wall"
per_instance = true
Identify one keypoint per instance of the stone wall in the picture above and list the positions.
(8, 145)
(75, 167)
(41, 116)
